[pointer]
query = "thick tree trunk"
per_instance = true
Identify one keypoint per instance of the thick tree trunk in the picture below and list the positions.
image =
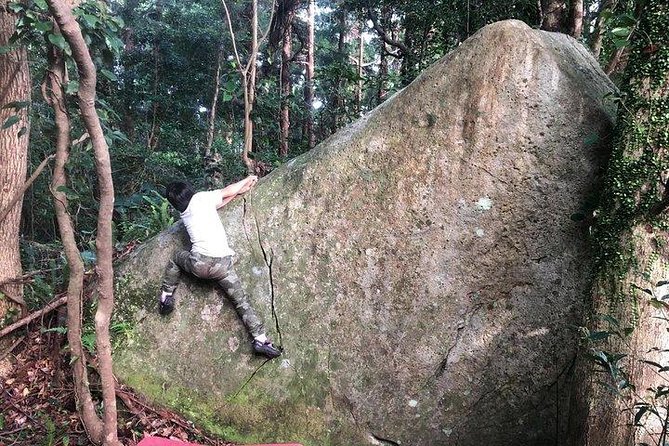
(286, 88)
(309, 87)
(633, 246)
(553, 15)
(14, 87)
(103, 241)
(54, 95)
(576, 18)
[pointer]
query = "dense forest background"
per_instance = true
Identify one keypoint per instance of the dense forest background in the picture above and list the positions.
(209, 92)
(171, 97)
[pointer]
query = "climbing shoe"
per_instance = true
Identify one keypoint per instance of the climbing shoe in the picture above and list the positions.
(166, 303)
(266, 349)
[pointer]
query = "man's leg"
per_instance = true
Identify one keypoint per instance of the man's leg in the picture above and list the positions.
(232, 287)
(181, 260)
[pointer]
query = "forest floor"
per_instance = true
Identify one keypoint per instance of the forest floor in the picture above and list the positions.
(37, 402)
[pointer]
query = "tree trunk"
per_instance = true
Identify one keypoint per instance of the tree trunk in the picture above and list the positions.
(212, 171)
(211, 127)
(598, 32)
(154, 131)
(249, 92)
(553, 15)
(576, 18)
(286, 88)
(342, 57)
(383, 57)
(633, 247)
(361, 61)
(103, 241)
(309, 84)
(55, 96)
(152, 142)
(14, 87)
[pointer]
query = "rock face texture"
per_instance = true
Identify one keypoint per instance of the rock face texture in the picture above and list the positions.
(424, 268)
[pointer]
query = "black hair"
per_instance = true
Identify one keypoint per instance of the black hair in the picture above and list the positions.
(179, 193)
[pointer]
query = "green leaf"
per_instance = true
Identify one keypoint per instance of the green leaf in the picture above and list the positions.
(57, 40)
(16, 7)
(108, 74)
(11, 121)
(72, 87)
(598, 335)
(639, 414)
(88, 257)
(43, 27)
(17, 105)
(69, 193)
(7, 49)
(41, 4)
(627, 20)
(89, 20)
(653, 363)
(59, 330)
(621, 31)
(656, 303)
(577, 216)
(620, 43)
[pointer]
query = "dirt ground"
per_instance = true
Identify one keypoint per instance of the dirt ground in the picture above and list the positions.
(37, 403)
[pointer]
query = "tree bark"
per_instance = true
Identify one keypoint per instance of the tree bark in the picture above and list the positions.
(14, 87)
(309, 80)
(87, 83)
(576, 18)
(286, 88)
(633, 247)
(55, 97)
(553, 15)
(211, 127)
(598, 32)
(248, 77)
(338, 96)
(361, 55)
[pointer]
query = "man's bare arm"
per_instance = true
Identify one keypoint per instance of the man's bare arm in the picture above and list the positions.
(228, 193)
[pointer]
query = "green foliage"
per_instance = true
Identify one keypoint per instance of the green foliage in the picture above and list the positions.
(633, 187)
(143, 216)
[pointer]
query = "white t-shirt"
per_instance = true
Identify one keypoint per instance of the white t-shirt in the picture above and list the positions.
(204, 226)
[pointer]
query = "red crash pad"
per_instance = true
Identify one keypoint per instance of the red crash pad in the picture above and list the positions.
(157, 441)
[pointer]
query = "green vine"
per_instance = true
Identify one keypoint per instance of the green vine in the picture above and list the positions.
(635, 186)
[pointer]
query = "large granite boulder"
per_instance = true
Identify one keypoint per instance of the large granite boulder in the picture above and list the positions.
(424, 268)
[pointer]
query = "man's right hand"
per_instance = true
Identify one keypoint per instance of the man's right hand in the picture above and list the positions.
(249, 182)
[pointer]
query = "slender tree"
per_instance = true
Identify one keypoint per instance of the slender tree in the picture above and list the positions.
(103, 241)
(309, 75)
(54, 95)
(247, 73)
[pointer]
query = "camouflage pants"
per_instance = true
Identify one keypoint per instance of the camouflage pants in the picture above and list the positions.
(220, 270)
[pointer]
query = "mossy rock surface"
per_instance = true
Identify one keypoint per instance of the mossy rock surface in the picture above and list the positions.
(422, 268)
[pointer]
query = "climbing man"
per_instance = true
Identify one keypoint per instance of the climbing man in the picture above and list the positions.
(210, 256)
